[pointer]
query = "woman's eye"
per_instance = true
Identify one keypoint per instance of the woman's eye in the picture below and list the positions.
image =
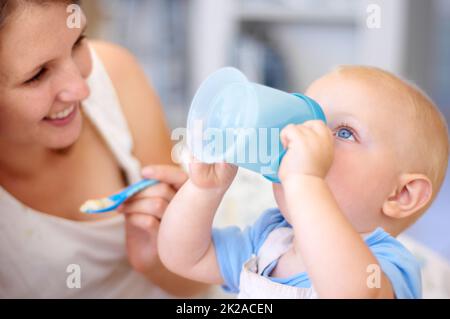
(79, 41)
(345, 133)
(37, 77)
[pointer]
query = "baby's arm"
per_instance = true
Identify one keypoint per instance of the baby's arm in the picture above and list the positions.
(184, 241)
(335, 255)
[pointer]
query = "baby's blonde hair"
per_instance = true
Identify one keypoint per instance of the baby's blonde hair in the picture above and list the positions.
(431, 129)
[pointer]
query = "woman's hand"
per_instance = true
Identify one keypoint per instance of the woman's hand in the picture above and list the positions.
(143, 214)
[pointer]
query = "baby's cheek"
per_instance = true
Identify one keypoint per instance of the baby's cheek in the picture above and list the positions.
(360, 186)
(349, 181)
(344, 172)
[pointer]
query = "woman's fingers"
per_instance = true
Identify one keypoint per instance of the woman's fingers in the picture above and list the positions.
(154, 200)
(169, 174)
(162, 190)
(154, 206)
(145, 222)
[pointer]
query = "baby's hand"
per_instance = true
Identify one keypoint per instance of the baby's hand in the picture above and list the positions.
(310, 149)
(217, 176)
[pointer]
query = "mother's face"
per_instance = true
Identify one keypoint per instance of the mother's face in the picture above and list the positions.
(43, 67)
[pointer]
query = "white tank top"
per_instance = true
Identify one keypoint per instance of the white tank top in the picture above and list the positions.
(44, 256)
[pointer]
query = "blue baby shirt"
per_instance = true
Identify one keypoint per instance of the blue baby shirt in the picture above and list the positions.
(235, 246)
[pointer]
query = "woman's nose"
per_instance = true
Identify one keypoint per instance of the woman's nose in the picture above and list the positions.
(72, 87)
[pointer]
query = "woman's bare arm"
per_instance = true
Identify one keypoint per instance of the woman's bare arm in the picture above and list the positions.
(140, 104)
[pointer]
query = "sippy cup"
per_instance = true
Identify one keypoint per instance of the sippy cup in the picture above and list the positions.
(239, 122)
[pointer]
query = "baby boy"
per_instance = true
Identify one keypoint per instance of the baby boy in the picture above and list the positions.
(348, 188)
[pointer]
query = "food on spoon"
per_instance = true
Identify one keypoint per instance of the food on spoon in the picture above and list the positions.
(95, 204)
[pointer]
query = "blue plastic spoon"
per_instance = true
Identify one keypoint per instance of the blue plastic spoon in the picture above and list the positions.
(107, 204)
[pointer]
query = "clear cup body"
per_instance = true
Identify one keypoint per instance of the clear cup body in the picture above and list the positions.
(236, 121)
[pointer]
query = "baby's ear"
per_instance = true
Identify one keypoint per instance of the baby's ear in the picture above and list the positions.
(412, 193)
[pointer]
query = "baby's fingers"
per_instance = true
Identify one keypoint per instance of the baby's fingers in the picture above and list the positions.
(319, 127)
(290, 133)
(196, 167)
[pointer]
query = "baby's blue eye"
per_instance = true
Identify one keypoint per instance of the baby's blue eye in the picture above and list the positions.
(345, 134)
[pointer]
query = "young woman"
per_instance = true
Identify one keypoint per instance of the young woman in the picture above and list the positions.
(77, 121)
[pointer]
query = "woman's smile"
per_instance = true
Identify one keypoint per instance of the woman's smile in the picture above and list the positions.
(64, 116)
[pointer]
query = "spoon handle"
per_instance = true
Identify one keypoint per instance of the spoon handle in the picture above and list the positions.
(137, 187)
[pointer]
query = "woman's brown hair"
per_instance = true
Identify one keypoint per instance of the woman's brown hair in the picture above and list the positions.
(7, 7)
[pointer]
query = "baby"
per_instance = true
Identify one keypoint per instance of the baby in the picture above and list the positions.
(347, 190)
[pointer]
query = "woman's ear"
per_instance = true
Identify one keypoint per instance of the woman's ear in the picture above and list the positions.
(412, 193)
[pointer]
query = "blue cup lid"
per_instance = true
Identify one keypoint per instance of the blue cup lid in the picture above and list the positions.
(314, 107)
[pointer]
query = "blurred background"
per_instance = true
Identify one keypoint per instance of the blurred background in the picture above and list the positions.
(285, 44)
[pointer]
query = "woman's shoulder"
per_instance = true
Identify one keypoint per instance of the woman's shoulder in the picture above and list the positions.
(117, 60)
(140, 103)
